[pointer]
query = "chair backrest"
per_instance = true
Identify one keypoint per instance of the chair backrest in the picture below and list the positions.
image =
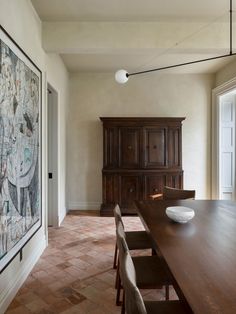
(177, 194)
(117, 215)
(122, 247)
(133, 300)
(120, 234)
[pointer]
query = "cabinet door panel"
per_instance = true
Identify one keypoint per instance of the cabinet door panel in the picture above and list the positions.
(153, 184)
(174, 151)
(129, 188)
(155, 141)
(109, 189)
(110, 147)
(175, 180)
(129, 152)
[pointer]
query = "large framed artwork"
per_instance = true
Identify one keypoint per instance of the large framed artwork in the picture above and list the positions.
(20, 149)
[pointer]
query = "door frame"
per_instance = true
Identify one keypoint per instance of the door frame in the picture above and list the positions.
(55, 121)
(215, 158)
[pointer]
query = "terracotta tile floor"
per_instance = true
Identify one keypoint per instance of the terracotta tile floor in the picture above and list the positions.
(74, 274)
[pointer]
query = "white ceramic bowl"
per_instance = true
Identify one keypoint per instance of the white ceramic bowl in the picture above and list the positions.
(180, 214)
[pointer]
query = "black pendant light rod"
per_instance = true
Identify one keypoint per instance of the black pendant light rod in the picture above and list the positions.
(181, 64)
(201, 60)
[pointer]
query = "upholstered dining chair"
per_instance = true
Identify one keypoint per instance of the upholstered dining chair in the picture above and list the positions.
(150, 271)
(174, 194)
(136, 240)
(134, 303)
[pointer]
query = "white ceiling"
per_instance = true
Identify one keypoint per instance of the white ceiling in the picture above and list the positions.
(127, 10)
(109, 58)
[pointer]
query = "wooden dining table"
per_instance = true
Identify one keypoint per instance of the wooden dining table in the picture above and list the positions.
(200, 254)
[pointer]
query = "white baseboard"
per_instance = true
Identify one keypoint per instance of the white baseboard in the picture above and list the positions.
(84, 205)
(19, 278)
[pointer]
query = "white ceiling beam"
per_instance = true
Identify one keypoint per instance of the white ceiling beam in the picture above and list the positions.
(135, 37)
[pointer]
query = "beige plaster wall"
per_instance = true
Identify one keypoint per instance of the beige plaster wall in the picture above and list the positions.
(94, 95)
(24, 26)
(225, 74)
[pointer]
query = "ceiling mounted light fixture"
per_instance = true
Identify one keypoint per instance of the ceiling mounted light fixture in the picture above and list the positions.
(122, 76)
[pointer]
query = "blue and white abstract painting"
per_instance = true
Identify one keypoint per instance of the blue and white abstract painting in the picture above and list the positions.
(20, 175)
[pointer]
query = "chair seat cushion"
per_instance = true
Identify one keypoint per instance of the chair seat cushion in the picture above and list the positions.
(137, 240)
(150, 272)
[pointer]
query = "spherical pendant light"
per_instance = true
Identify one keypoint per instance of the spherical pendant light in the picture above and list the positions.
(121, 76)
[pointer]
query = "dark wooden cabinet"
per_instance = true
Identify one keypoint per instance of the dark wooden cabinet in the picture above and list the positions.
(140, 156)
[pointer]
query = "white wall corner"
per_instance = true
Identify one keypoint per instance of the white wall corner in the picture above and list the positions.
(62, 215)
(13, 286)
(83, 206)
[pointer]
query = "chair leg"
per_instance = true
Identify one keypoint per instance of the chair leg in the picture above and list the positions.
(123, 303)
(115, 257)
(117, 275)
(167, 292)
(154, 252)
(118, 302)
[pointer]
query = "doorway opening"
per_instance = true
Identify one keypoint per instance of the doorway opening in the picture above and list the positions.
(227, 146)
(52, 113)
(224, 143)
